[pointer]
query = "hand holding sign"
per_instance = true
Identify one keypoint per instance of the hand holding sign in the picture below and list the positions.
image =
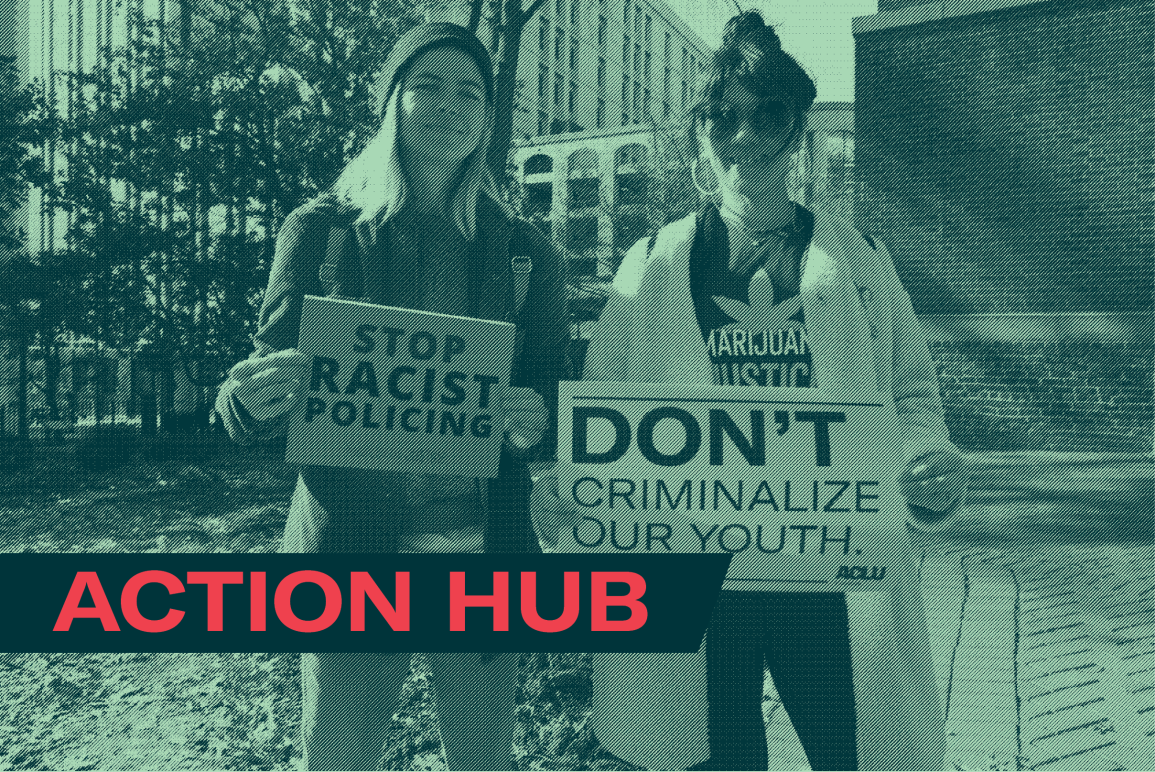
(410, 391)
(270, 386)
(798, 485)
(935, 481)
(525, 417)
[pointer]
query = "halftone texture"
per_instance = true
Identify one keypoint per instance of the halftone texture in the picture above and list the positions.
(347, 703)
(806, 643)
(422, 38)
(1006, 158)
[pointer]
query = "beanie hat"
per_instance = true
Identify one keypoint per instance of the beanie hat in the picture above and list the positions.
(417, 41)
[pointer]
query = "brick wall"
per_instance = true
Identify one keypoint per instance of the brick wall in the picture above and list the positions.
(1046, 395)
(1008, 160)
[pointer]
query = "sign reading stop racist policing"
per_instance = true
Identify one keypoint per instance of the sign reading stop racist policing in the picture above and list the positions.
(799, 485)
(400, 390)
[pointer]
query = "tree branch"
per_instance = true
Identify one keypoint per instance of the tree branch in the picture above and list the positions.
(474, 14)
(528, 13)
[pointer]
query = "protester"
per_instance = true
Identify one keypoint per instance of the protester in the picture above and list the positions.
(414, 221)
(859, 687)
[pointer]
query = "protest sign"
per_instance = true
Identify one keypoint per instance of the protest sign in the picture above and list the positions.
(800, 486)
(400, 390)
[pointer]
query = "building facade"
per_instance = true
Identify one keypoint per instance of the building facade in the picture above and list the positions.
(1005, 153)
(603, 64)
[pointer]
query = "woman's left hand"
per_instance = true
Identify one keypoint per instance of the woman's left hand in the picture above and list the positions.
(935, 481)
(525, 417)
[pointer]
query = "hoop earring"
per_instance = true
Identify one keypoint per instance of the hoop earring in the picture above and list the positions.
(698, 185)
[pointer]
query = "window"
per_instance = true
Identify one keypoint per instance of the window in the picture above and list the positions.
(583, 233)
(538, 199)
(542, 79)
(637, 100)
(601, 74)
(583, 192)
(573, 55)
(601, 113)
(543, 34)
(558, 86)
(542, 122)
(649, 30)
(646, 105)
(666, 84)
(558, 44)
(601, 32)
(625, 119)
(637, 57)
(625, 93)
(625, 53)
(572, 98)
(646, 68)
(665, 109)
(560, 10)
(538, 164)
(667, 48)
(626, 13)
(573, 11)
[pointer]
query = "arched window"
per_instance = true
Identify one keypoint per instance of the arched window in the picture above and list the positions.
(538, 164)
(582, 179)
(630, 164)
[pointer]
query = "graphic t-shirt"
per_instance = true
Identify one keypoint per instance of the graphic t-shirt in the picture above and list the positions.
(754, 330)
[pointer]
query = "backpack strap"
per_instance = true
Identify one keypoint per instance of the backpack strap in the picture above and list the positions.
(338, 275)
(522, 267)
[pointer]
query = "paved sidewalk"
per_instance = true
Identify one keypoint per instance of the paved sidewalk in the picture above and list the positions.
(1040, 608)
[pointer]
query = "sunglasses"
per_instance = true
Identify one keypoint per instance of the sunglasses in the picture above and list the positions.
(769, 119)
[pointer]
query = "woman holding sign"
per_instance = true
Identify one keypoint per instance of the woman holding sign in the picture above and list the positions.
(854, 672)
(414, 221)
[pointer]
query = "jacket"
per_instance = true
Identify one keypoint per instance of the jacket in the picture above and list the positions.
(650, 709)
(541, 361)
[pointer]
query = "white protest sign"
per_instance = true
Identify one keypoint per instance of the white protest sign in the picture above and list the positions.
(401, 390)
(799, 485)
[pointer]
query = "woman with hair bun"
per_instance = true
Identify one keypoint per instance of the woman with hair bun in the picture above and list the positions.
(853, 670)
(414, 221)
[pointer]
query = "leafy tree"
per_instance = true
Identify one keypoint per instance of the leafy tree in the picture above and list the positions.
(185, 149)
(26, 303)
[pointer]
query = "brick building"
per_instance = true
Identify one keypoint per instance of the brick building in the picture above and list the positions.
(1005, 154)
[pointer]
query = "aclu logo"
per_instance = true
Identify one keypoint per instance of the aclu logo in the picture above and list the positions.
(862, 572)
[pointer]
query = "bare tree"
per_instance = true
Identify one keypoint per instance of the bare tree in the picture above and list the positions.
(509, 19)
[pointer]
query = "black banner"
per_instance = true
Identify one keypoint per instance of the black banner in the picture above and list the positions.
(189, 602)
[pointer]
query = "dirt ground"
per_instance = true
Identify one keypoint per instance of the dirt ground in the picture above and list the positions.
(1046, 530)
(211, 711)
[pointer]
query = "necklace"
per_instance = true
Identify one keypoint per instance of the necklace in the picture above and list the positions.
(760, 237)
(762, 242)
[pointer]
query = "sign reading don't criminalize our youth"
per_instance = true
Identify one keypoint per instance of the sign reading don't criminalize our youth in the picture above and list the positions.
(400, 390)
(800, 486)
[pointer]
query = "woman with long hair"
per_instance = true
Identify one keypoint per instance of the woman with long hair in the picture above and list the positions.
(413, 221)
(853, 671)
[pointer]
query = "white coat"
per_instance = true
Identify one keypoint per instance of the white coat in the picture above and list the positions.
(650, 709)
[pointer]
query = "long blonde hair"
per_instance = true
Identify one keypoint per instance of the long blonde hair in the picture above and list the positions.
(375, 181)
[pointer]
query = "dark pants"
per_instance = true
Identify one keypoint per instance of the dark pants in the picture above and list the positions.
(805, 641)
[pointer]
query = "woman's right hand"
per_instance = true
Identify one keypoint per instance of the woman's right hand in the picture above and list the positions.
(270, 386)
